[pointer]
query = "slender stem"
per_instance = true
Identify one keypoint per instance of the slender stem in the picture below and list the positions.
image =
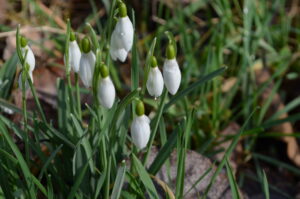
(24, 74)
(36, 99)
(106, 196)
(156, 122)
(78, 96)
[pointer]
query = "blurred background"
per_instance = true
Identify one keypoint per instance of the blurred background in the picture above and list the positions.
(258, 40)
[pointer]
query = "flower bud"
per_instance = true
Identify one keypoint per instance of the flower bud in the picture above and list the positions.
(140, 127)
(106, 88)
(30, 56)
(155, 82)
(122, 36)
(172, 75)
(87, 63)
(74, 53)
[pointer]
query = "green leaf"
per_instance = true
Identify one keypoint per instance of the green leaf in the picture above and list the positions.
(227, 154)
(232, 181)
(155, 123)
(78, 181)
(119, 182)
(266, 185)
(145, 178)
(85, 142)
(164, 153)
(26, 172)
(7, 74)
(193, 86)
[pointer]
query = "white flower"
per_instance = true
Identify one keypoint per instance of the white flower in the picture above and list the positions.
(140, 131)
(29, 58)
(86, 70)
(155, 82)
(172, 75)
(26, 82)
(74, 56)
(106, 92)
(121, 39)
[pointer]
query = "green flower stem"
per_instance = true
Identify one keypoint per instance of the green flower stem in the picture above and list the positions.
(78, 96)
(37, 101)
(155, 123)
(71, 99)
(24, 77)
(107, 184)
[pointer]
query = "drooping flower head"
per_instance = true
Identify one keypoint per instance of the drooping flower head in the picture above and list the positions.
(171, 71)
(30, 56)
(155, 82)
(140, 127)
(74, 53)
(87, 63)
(106, 88)
(122, 36)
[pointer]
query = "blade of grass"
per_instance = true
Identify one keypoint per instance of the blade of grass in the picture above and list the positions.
(145, 178)
(227, 154)
(266, 185)
(233, 185)
(155, 124)
(22, 163)
(193, 86)
(116, 192)
(163, 154)
(78, 181)
(85, 142)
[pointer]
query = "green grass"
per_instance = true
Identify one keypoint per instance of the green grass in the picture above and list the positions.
(89, 151)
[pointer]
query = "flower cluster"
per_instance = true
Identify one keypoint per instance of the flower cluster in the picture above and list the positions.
(82, 61)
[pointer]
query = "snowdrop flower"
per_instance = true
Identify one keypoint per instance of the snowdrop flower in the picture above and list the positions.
(155, 82)
(26, 81)
(74, 53)
(140, 127)
(171, 71)
(87, 63)
(106, 89)
(122, 36)
(30, 56)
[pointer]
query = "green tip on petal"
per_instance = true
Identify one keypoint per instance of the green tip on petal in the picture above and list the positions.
(122, 9)
(170, 51)
(153, 62)
(86, 45)
(140, 109)
(23, 41)
(104, 71)
(72, 36)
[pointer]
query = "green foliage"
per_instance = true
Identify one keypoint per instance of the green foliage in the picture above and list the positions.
(87, 152)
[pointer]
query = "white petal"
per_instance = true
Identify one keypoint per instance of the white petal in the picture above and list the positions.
(121, 39)
(116, 51)
(124, 31)
(26, 82)
(74, 56)
(86, 70)
(155, 82)
(121, 54)
(113, 46)
(172, 75)
(106, 92)
(140, 132)
(29, 58)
